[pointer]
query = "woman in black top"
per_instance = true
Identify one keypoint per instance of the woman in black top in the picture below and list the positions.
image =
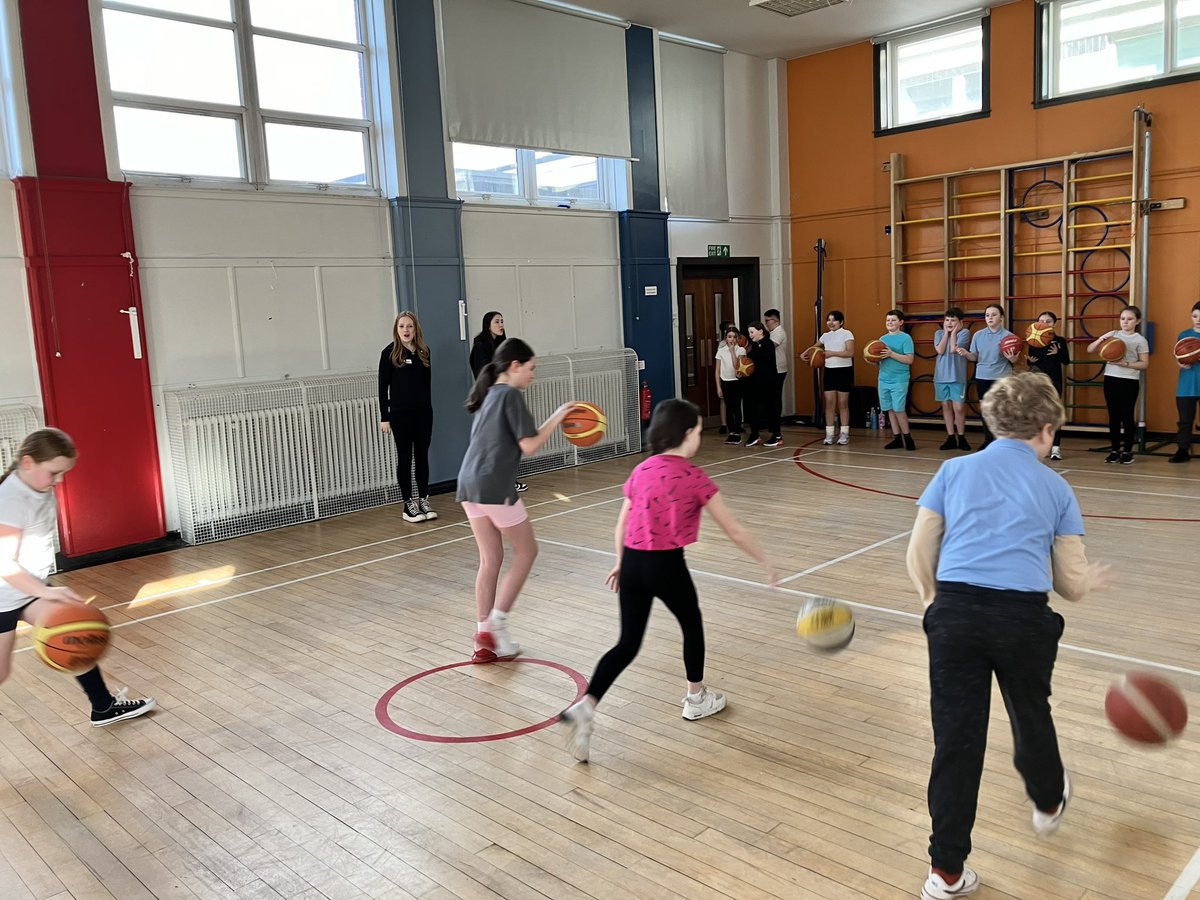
(1049, 360)
(761, 389)
(486, 342)
(406, 411)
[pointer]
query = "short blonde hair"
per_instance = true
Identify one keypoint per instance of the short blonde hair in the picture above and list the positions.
(1021, 405)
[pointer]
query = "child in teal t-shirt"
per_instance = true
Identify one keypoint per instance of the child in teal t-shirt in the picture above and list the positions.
(1187, 395)
(894, 373)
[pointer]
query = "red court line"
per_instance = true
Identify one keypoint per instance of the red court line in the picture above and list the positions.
(851, 484)
(385, 719)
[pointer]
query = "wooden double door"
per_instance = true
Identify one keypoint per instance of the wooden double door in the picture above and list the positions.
(705, 303)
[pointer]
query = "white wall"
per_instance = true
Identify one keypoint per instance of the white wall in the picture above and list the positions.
(258, 287)
(554, 274)
(759, 221)
(18, 362)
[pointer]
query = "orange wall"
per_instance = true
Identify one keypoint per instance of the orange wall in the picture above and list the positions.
(840, 193)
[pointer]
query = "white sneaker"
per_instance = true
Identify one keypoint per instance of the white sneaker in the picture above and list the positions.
(709, 703)
(1055, 453)
(1045, 824)
(496, 635)
(844, 438)
(578, 719)
(828, 442)
(937, 889)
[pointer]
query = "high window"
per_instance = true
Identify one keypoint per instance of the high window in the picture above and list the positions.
(269, 92)
(1087, 47)
(932, 75)
(534, 177)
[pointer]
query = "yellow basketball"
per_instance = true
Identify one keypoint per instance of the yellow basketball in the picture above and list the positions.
(825, 623)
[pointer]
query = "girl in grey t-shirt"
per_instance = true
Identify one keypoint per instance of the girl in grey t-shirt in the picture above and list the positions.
(501, 432)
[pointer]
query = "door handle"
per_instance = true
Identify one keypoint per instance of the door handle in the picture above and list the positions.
(135, 334)
(462, 320)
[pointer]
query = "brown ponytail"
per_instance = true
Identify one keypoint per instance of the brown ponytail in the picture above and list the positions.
(42, 446)
(512, 350)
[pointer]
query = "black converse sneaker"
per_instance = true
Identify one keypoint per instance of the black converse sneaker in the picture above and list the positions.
(122, 708)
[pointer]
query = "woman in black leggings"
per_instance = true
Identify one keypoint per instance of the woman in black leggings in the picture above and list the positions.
(1049, 360)
(1122, 382)
(406, 411)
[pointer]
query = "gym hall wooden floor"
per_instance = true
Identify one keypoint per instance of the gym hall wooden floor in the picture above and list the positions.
(266, 772)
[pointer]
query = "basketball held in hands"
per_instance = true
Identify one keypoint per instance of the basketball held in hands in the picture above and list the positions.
(1112, 349)
(585, 425)
(744, 367)
(875, 352)
(71, 637)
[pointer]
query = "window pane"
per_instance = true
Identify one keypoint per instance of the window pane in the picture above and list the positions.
(1103, 42)
(939, 76)
(150, 140)
(1187, 43)
(148, 55)
(562, 176)
(321, 155)
(336, 20)
(209, 9)
(485, 170)
(321, 81)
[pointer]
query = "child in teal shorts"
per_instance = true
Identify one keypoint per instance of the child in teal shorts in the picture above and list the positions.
(894, 373)
(950, 378)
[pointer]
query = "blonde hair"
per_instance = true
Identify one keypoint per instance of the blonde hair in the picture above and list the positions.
(1021, 405)
(418, 340)
(42, 446)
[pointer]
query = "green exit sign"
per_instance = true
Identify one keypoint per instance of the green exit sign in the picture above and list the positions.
(718, 249)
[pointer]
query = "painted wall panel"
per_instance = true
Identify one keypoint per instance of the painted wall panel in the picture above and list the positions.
(596, 307)
(190, 325)
(278, 315)
(359, 311)
(747, 128)
(547, 307)
(18, 362)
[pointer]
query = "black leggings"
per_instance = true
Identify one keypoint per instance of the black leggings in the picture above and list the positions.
(1187, 420)
(732, 394)
(982, 386)
(412, 435)
(646, 574)
(1121, 396)
(1058, 386)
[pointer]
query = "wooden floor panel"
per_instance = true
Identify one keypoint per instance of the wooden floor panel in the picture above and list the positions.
(266, 774)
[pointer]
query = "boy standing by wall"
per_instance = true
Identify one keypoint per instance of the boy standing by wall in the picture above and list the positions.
(950, 378)
(894, 372)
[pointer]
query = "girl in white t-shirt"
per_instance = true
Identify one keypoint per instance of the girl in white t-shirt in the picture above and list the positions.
(729, 388)
(839, 374)
(28, 523)
(1122, 383)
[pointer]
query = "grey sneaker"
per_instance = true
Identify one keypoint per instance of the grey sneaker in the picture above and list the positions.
(578, 719)
(844, 438)
(426, 509)
(937, 889)
(1046, 823)
(709, 703)
(412, 512)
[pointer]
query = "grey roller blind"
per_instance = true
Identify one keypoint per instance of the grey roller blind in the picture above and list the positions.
(693, 88)
(523, 76)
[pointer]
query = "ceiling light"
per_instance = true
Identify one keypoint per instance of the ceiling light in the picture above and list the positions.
(794, 7)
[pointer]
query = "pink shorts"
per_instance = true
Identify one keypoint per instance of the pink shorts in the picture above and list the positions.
(502, 515)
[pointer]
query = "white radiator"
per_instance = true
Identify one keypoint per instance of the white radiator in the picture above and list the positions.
(16, 421)
(248, 458)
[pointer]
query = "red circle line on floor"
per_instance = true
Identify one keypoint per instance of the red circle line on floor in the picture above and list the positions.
(850, 484)
(385, 719)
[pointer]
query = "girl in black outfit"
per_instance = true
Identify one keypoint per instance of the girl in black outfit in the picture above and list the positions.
(1049, 360)
(486, 342)
(760, 389)
(406, 411)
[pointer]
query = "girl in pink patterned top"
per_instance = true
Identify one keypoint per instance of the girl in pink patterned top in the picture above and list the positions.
(664, 497)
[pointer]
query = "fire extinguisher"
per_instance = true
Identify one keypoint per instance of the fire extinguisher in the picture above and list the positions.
(647, 401)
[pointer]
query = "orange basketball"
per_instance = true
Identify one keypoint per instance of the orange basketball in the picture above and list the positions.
(1187, 350)
(875, 351)
(744, 367)
(71, 637)
(585, 424)
(1146, 708)
(741, 340)
(1011, 344)
(1113, 349)
(1038, 335)
(816, 358)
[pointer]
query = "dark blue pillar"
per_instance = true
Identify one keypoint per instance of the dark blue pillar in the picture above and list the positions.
(645, 258)
(427, 235)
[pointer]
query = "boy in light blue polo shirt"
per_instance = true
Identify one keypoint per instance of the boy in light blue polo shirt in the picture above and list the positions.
(990, 363)
(950, 378)
(894, 373)
(994, 532)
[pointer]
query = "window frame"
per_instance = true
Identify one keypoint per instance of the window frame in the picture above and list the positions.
(883, 82)
(251, 117)
(1045, 60)
(608, 174)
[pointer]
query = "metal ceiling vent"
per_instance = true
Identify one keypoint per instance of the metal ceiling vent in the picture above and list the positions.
(794, 7)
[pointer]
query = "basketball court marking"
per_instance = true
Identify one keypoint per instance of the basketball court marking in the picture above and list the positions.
(833, 562)
(898, 613)
(384, 718)
(1182, 888)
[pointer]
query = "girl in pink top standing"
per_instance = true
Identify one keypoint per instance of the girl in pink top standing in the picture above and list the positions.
(664, 497)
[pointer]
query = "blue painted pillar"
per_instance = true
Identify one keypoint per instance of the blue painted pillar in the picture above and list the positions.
(645, 258)
(427, 236)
